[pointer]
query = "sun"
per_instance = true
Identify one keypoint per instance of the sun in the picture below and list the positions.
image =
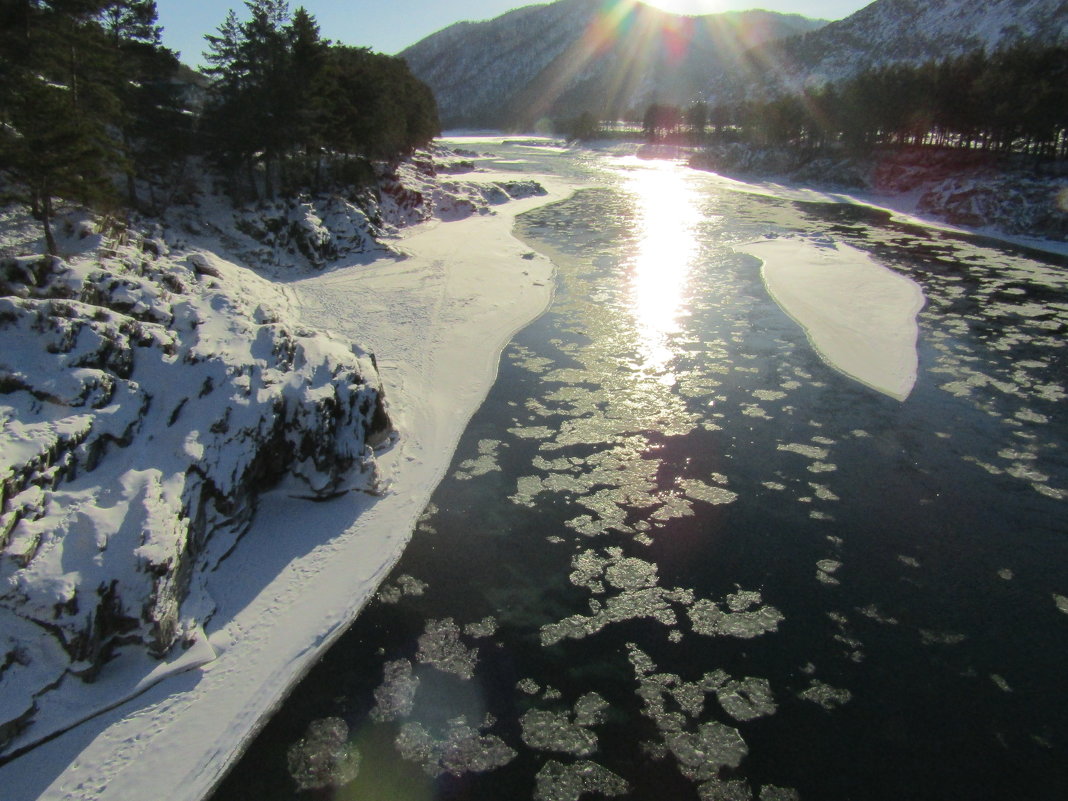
(694, 8)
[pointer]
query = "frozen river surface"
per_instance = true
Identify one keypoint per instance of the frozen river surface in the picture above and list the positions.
(685, 551)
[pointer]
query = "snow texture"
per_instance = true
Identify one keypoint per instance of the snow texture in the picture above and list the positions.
(859, 316)
(147, 398)
(909, 32)
(169, 418)
(560, 59)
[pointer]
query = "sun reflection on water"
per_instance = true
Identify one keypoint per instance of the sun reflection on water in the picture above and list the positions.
(667, 215)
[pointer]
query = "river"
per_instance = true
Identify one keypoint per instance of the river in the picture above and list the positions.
(679, 555)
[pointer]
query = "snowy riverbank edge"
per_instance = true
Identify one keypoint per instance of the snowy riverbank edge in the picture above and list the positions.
(440, 320)
(903, 206)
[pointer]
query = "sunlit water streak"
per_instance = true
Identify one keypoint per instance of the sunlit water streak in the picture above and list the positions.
(666, 214)
(759, 580)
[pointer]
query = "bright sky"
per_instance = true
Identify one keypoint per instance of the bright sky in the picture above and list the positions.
(389, 26)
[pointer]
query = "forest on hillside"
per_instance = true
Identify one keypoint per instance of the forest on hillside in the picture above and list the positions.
(95, 110)
(1011, 101)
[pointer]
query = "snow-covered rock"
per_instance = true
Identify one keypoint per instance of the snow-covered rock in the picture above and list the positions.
(413, 192)
(152, 385)
(967, 188)
(145, 401)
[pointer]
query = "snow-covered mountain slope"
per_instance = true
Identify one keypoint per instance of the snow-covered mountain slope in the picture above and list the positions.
(152, 385)
(571, 56)
(908, 31)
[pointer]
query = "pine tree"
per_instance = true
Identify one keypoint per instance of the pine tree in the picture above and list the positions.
(57, 109)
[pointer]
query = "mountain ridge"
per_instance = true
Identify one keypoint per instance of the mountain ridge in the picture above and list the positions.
(563, 58)
(888, 32)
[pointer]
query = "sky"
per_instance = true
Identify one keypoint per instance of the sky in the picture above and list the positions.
(389, 26)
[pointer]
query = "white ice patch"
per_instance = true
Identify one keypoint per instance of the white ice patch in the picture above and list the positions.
(859, 316)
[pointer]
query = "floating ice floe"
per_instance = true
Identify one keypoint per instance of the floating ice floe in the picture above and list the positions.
(771, 792)
(481, 629)
(462, 750)
(744, 617)
(825, 695)
(395, 697)
(564, 732)
(824, 570)
(637, 597)
(485, 463)
(559, 782)
(440, 646)
(405, 586)
(1061, 602)
(323, 757)
(859, 316)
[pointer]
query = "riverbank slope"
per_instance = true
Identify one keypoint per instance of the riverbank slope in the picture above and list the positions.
(437, 320)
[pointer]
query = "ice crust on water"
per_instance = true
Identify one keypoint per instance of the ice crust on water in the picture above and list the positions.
(825, 695)
(637, 597)
(440, 646)
(483, 464)
(323, 757)
(405, 586)
(565, 732)
(859, 316)
(744, 617)
(461, 750)
(559, 782)
(395, 697)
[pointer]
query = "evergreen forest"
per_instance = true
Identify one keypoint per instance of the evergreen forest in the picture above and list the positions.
(94, 109)
(1010, 101)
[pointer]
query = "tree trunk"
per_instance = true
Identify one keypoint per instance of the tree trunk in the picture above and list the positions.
(268, 184)
(46, 222)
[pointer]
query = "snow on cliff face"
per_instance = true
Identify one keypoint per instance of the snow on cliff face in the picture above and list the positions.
(910, 31)
(146, 399)
(311, 232)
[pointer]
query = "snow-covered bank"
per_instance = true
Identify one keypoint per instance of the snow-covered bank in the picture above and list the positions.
(859, 316)
(438, 320)
(960, 192)
(148, 398)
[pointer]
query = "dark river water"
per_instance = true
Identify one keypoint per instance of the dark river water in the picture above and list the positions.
(679, 556)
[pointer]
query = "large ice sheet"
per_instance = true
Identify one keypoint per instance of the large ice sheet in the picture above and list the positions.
(859, 315)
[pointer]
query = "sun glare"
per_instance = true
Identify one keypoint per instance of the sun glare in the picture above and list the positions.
(693, 8)
(667, 247)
